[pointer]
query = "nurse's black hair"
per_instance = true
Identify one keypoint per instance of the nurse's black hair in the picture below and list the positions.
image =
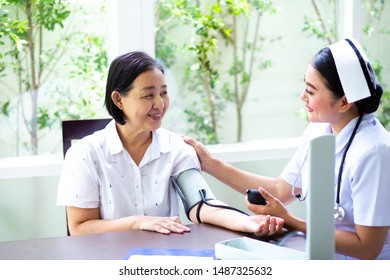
(123, 71)
(324, 63)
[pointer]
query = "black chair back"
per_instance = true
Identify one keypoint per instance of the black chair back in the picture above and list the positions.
(75, 130)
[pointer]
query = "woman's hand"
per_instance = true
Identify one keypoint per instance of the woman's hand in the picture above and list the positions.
(275, 207)
(262, 225)
(165, 225)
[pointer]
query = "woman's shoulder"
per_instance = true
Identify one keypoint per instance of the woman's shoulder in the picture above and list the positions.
(170, 141)
(166, 135)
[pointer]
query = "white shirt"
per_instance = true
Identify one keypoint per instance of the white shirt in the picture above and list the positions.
(99, 173)
(365, 183)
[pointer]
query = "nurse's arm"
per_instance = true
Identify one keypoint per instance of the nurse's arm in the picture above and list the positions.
(241, 180)
(238, 179)
(366, 243)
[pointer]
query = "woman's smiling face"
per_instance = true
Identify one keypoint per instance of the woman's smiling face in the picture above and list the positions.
(320, 102)
(146, 103)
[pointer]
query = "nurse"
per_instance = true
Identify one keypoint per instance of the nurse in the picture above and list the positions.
(341, 94)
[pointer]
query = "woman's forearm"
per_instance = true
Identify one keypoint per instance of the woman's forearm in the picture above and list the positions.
(101, 226)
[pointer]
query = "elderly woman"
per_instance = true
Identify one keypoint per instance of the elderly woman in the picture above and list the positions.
(119, 178)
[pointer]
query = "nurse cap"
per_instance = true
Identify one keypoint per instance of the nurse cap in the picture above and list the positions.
(354, 69)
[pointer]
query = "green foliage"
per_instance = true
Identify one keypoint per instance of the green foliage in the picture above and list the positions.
(5, 108)
(201, 123)
(10, 28)
(214, 27)
(51, 13)
(383, 113)
(374, 26)
(323, 26)
(89, 67)
(36, 62)
(166, 48)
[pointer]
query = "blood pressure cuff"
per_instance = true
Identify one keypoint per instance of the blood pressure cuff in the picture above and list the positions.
(192, 189)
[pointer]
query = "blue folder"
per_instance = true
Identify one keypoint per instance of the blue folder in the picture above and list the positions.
(170, 252)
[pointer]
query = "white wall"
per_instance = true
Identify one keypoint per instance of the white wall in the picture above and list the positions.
(131, 26)
(28, 210)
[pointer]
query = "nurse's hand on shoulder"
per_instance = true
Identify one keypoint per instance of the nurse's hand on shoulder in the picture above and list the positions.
(165, 225)
(274, 206)
(204, 155)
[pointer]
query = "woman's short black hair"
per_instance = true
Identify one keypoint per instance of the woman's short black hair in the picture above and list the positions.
(324, 63)
(123, 71)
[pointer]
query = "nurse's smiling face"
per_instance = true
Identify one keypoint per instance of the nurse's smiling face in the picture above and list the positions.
(321, 104)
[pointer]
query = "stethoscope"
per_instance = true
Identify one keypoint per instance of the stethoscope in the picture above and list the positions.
(338, 210)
